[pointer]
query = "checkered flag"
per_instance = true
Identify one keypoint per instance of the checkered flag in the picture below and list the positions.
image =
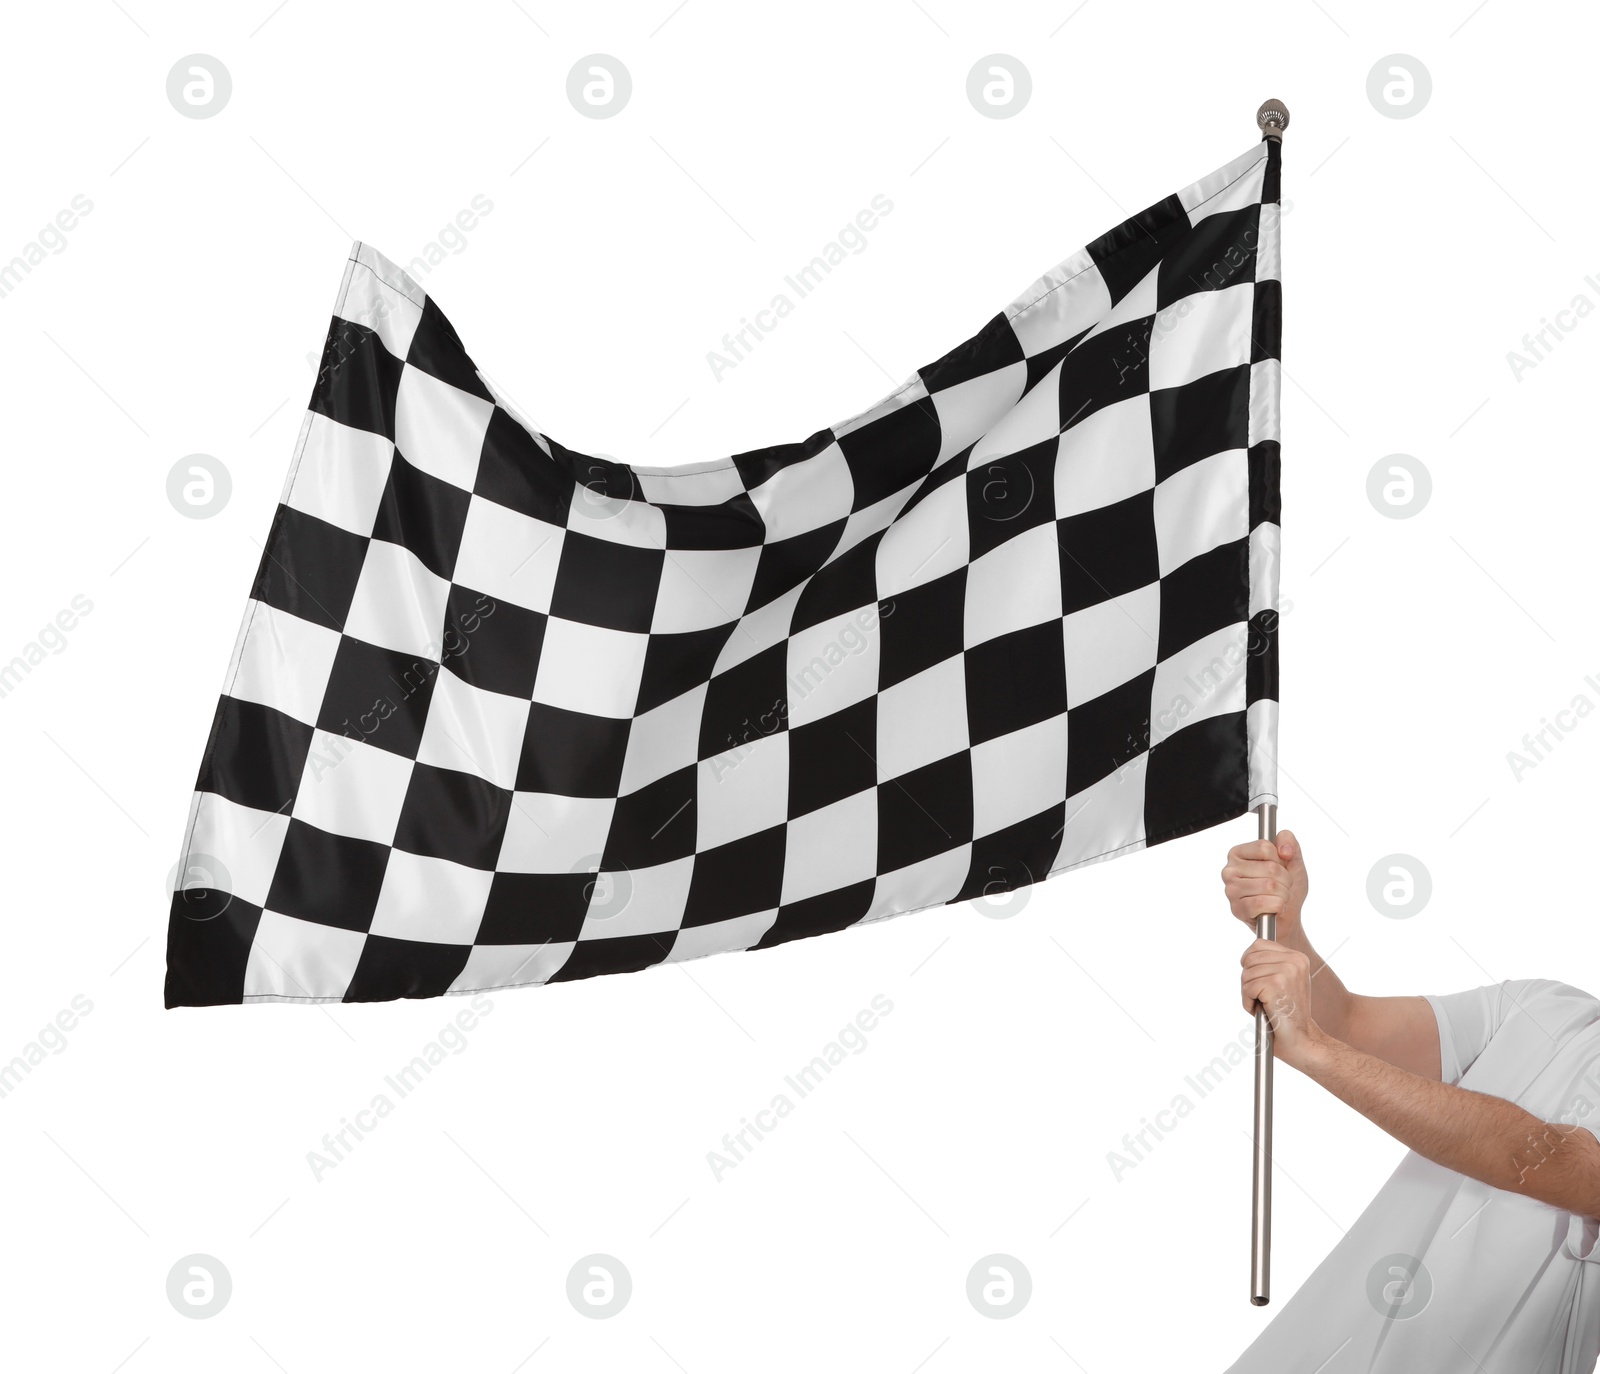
(503, 713)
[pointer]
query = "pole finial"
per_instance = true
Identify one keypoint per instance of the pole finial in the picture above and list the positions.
(1272, 119)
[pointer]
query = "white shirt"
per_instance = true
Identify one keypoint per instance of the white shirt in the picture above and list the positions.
(1506, 1285)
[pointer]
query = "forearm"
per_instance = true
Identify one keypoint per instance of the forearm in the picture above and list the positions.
(1332, 1004)
(1267, 879)
(1400, 1030)
(1483, 1137)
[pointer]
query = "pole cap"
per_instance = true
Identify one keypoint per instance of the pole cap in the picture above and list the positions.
(1272, 119)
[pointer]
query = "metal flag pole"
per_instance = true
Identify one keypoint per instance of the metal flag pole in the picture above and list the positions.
(1261, 1176)
(1272, 119)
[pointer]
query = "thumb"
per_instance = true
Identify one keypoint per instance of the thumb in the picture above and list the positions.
(1289, 852)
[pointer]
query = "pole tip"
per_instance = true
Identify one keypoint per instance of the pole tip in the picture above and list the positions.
(1259, 1301)
(1272, 119)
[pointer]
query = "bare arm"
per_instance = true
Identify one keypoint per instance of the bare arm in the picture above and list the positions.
(1483, 1137)
(1270, 878)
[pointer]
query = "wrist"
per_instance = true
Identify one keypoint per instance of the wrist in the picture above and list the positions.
(1313, 1051)
(1289, 926)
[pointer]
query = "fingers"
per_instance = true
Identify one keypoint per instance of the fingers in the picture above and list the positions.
(1262, 953)
(1274, 978)
(1271, 972)
(1252, 996)
(1265, 886)
(1264, 878)
(1255, 889)
(1262, 858)
(1268, 991)
(1273, 997)
(1256, 861)
(1268, 988)
(1246, 870)
(1266, 961)
(1256, 873)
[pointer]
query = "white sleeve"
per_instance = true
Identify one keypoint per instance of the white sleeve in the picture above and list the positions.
(1466, 1022)
(1469, 1020)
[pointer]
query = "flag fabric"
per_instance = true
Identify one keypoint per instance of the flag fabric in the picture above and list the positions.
(502, 713)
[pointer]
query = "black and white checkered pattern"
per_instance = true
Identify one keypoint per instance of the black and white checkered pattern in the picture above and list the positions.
(501, 713)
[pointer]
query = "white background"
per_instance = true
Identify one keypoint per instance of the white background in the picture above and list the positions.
(1416, 653)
